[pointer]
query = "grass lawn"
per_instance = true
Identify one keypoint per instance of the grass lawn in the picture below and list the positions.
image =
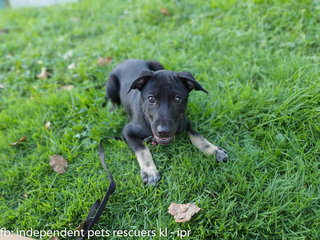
(260, 62)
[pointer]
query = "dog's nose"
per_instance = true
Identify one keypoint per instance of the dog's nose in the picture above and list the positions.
(163, 131)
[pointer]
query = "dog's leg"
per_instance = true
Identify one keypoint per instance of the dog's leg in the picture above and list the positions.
(112, 91)
(148, 169)
(133, 134)
(206, 147)
(113, 88)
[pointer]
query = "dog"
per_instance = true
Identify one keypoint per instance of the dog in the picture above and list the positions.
(155, 100)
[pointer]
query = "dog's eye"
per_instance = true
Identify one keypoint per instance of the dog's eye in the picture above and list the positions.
(151, 99)
(177, 99)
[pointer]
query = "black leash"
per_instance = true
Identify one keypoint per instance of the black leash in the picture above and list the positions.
(98, 207)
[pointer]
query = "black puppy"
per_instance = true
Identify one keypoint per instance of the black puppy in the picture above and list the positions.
(155, 101)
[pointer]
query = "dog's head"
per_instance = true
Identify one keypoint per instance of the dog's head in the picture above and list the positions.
(164, 97)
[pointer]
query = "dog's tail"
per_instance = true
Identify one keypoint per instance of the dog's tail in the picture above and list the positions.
(154, 65)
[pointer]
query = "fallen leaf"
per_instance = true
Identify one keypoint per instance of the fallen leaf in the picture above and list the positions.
(54, 238)
(48, 125)
(75, 19)
(67, 55)
(58, 163)
(82, 225)
(183, 212)
(125, 11)
(4, 31)
(104, 61)
(25, 195)
(66, 87)
(19, 141)
(43, 74)
(72, 66)
(164, 11)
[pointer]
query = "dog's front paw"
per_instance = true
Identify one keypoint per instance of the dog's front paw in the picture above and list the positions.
(150, 176)
(221, 155)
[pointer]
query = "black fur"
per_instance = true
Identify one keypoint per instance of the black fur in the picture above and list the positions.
(155, 100)
(133, 81)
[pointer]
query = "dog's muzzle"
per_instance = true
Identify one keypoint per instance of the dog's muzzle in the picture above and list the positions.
(163, 140)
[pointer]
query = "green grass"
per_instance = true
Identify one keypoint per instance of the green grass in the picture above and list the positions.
(259, 60)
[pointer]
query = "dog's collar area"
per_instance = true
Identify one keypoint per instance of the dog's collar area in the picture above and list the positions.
(151, 140)
(148, 139)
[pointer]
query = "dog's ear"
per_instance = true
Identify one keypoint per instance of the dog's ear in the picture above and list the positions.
(189, 81)
(144, 77)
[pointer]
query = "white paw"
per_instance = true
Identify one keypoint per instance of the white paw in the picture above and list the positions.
(150, 176)
(221, 155)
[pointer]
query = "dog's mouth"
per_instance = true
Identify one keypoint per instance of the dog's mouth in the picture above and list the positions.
(163, 140)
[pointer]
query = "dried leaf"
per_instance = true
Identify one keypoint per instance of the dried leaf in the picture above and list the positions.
(82, 225)
(19, 141)
(104, 61)
(164, 11)
(4, 31)
(72, 66)
(43, 74)
(54, 238)
(58, 163)
(48, 125)
(66, 87)
(183, 212)
(25, 195)
(75, 19)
